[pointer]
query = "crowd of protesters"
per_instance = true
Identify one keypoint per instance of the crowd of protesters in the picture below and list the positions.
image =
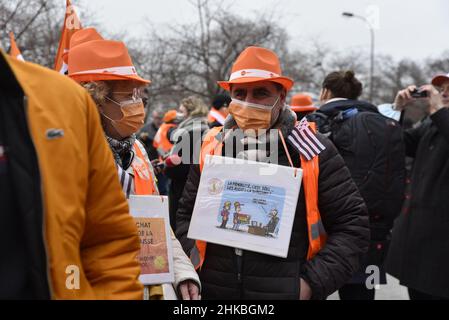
(74, 148)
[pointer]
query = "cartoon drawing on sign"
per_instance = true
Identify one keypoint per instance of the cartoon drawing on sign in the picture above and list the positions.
(274, 220)
(239, 218)
(225, 214)
(257, 208)
(237, 211)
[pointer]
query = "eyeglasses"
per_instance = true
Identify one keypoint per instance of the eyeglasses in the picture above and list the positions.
(136, 93)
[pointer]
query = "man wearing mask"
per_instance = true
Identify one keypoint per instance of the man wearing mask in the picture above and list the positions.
(418, 254)
(258, 92)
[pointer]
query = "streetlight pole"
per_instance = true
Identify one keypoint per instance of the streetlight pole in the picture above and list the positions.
(371, 28)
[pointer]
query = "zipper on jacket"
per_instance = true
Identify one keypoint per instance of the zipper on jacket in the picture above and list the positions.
(239, 255)
(25, 106)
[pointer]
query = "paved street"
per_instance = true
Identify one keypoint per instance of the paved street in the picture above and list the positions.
(392, 291)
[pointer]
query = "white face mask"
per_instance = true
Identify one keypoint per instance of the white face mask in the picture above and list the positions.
(180, 116)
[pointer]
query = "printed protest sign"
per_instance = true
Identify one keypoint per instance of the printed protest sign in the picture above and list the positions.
(156, 256)
(241, 205)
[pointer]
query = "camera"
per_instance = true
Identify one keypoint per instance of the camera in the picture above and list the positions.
(419, 94)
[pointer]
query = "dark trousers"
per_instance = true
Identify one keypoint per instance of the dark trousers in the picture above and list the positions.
(356, 292)
(417, 295)
(162, 184)
(223, 224)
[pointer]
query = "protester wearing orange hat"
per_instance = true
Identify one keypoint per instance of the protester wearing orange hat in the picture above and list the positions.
(330, 230)
(256, 65)
(170, 116)
(162, 141)
(105, 69)
(302, 105)
(257, 77)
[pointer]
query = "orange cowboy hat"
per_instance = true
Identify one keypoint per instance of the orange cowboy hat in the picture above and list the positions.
(302, 103)
(81, 36)
(256, 64)
(101, 60)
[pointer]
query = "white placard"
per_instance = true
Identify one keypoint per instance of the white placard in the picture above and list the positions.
(156, 253)
(246, 204)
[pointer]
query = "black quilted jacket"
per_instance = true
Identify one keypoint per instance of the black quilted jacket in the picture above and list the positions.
(226, 275)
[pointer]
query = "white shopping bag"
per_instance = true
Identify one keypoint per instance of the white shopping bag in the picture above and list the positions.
(156, 254)
(246, 204)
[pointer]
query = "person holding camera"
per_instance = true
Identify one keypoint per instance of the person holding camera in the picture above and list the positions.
(418, 254)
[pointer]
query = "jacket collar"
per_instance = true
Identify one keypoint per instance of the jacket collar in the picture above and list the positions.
(336, 99)
(186, 124)
(334, 107)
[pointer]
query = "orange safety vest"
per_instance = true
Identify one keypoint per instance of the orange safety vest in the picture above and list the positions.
(144, 182)
(316, 233)
(215, 115)
(161, 141)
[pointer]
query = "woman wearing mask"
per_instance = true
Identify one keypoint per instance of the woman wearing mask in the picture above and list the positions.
(188, 135)
(105, 69)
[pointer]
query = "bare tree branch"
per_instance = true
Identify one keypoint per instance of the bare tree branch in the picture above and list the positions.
(11, 16)
(43, 4)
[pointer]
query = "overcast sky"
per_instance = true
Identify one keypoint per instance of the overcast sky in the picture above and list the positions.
(414, 29)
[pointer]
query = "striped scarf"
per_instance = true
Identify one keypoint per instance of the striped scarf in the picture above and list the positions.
(121, 147)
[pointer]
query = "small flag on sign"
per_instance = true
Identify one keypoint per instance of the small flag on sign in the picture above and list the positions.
(304, 140)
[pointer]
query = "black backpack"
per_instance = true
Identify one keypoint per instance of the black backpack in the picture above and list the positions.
(373, 149)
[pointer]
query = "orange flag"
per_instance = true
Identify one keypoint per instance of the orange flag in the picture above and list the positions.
(14, 52)
(71, 25)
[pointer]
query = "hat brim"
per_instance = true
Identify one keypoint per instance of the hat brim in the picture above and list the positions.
(303, 108)
(169, 119)
(287, 83)
(107, 76)
(439, 80)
